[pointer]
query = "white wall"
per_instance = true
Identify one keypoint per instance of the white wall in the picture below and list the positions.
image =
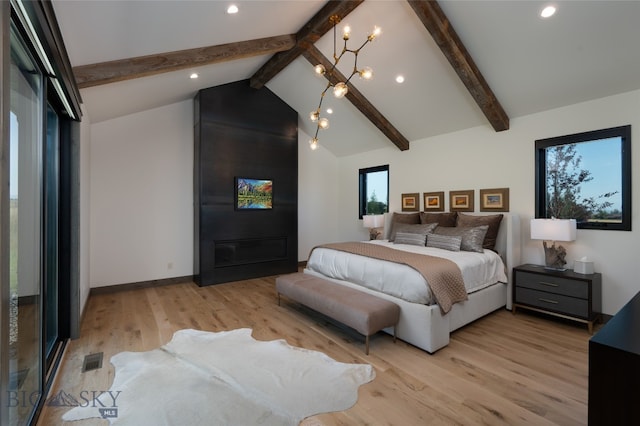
(318, 186)
(481, 158)
(141, 213)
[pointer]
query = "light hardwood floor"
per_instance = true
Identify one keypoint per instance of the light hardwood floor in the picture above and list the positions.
(502, 369)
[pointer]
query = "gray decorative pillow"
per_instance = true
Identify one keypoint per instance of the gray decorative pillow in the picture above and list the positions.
(468, 220)
(423, 229)
(472, 238)
(446, 242)
(407, 238)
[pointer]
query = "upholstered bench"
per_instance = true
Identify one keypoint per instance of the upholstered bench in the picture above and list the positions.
(365, 313)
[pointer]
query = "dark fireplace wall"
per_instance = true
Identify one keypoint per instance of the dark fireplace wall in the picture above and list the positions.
(242, 132)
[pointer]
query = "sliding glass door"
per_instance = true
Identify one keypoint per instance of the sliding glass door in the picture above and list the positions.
(39, 207)
(25, 246)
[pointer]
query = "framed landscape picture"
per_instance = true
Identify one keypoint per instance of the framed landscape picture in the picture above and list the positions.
(433, 201)
(253, 194)
(494, 200)
(461, 201)
(410, 202)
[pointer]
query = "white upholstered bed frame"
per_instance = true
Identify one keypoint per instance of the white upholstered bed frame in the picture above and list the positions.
(425, 326)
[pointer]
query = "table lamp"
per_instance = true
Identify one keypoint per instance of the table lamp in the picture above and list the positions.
(554, 230)
(373, 221)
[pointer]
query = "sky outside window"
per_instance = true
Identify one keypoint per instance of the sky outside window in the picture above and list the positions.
(602, 158)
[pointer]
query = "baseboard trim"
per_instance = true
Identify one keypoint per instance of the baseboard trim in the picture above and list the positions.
(140, 285)
(302, 264)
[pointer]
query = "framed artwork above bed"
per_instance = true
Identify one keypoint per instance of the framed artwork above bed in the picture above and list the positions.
(433, 201)
(494, 200)
(461, 201)
(411, 202)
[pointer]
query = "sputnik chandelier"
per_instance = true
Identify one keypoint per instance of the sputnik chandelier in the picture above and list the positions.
(340, 89)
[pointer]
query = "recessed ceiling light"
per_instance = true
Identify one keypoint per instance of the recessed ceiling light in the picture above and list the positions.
(232, 9)
(193, 75)
(400, 79)
(548, 11)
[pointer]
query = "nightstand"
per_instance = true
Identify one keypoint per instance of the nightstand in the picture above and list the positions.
(563, 294)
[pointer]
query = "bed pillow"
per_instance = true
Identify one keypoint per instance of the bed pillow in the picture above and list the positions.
(446, 242)
(493, 221)
(405, 217)
(410, 228)
(408, 238)
(472, 238)
(442, 219)
(399, 218)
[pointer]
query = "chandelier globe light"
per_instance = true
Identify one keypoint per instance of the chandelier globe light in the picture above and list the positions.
(341, 88)
(323, 123)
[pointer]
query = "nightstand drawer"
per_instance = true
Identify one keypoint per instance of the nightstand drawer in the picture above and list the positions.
(553, 302)
(551, 284)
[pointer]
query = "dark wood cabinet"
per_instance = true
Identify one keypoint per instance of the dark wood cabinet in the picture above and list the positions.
(561, 293)
(614, 369)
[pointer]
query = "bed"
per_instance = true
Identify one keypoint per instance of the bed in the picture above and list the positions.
(422, 321)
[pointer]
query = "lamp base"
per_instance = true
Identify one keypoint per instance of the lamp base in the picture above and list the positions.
(551, 268)
(373, 233)
(554, 257)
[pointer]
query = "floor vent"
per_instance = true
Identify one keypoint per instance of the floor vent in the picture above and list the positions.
(92, 362)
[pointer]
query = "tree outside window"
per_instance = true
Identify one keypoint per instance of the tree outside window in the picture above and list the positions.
(586, 177)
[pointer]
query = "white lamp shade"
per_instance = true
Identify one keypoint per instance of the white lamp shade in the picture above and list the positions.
(372, 220)
(553, 229)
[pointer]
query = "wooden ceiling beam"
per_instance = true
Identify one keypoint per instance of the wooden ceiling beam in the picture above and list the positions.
(311, 32)
(143, 66)
(314, 56)
(435, 21)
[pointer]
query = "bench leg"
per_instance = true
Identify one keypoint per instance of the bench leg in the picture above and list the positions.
(278, 299)
(395, 329)
(366, 345)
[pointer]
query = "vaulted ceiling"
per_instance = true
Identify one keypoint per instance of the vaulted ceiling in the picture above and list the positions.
(465, 63)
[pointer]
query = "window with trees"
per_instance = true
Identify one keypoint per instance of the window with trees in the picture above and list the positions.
(587, 177)
(374, 190)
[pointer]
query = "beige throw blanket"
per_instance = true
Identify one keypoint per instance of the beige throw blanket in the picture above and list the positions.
(442, 275)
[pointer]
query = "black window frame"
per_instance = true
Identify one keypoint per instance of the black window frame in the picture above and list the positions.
(623, 132)
(362, 185)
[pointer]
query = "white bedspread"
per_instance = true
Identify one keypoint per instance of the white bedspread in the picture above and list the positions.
(479, 270)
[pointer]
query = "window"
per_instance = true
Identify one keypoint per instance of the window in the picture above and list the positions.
(374, 190)
(587, 177)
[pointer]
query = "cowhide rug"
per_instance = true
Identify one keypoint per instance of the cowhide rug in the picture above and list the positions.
(225, 378)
